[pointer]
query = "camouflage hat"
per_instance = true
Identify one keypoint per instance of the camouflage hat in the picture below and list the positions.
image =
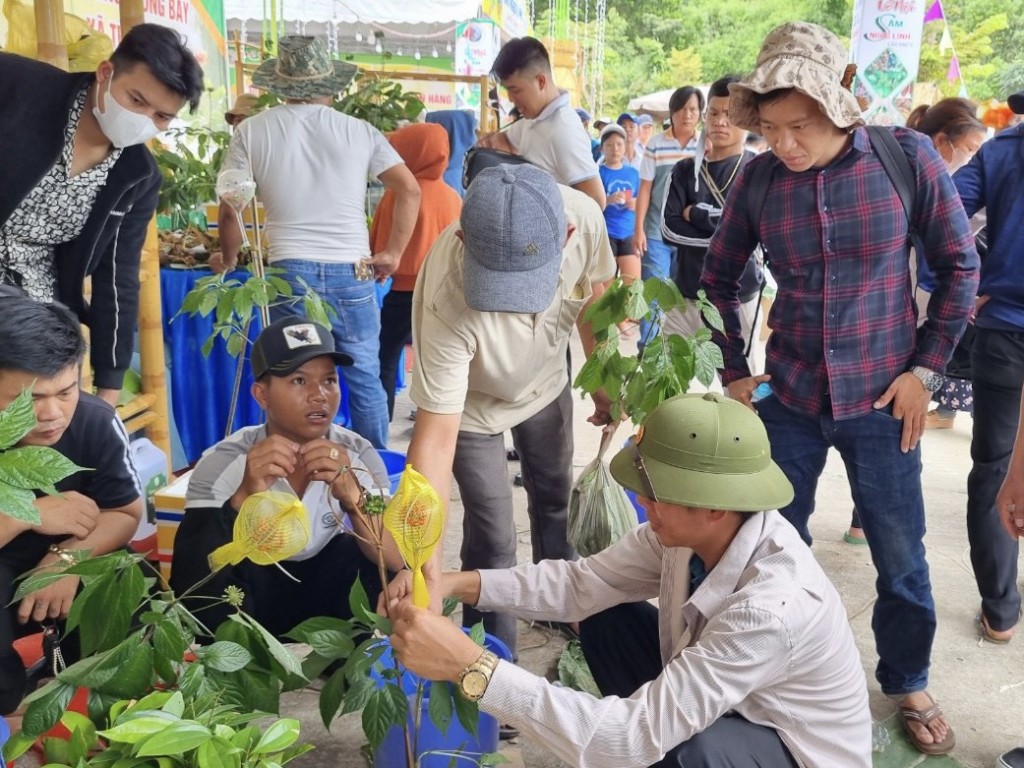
(703, 451)
(303, 70)
(807, 58)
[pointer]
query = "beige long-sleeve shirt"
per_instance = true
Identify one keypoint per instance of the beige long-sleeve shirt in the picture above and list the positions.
(765, 636)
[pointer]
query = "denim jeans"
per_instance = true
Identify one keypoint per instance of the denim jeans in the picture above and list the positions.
(997, 360)
(395, 333)
(886, 486)
(356, 327)
(659, 260)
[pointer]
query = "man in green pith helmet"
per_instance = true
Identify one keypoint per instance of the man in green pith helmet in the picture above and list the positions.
(749, 661)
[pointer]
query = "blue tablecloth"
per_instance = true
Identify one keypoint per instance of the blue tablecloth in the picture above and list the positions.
(201, 386)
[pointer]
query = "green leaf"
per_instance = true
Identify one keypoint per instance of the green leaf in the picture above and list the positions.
(191, 680)
(17, 745)
(709, 360)
(281, 655)
(180, 737)
(236, 344)
(331, 697)
(467, 712)
(218, 753)
(492, 758)
(134, 673)
(35, 582)
(208, 304)
(169, 641)
(224, 656)
(309, 627)
(358, 694)
(709, 311)
(17, 419)
(358, 602)
(279, 735)
(636, 304)
(45, 707)
(134, 731)
(284, 288)
(243, 304)
(379, 715)
(19, 503)
(477, 633)
(590, 375)
(35, 467)
(225, 307)
(440, 706)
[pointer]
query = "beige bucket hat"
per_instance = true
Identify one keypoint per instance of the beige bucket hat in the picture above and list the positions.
(805, 57)
(303, 69)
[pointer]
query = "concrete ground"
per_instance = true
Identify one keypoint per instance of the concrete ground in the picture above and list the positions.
(980, 686)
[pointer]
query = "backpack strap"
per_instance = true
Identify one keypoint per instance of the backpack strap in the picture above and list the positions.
(897, 165)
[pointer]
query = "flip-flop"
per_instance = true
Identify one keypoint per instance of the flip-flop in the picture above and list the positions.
(924, 717)
(988, 634)
(856, 540)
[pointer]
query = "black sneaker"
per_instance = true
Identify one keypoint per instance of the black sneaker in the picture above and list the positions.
(518, 480)
(1012, 759)
(507, 732)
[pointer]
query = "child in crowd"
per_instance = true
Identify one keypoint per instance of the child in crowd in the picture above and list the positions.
(621, 184)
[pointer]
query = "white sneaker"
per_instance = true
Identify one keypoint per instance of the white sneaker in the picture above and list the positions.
(1012, 759)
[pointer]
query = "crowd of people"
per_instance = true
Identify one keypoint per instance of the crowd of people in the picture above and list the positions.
(871, 236)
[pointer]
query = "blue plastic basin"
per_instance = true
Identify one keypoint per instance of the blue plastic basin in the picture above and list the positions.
(394, 462)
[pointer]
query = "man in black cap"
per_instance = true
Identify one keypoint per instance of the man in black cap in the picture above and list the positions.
(300, 452)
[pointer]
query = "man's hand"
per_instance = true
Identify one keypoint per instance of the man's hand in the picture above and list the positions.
(639, 242)
(1010, 503)
(51, 602)
(909, 401)
(384, 264)
(496, 140)
(602, 409)
(108, 395)
(323, 460)
(430, 645)
(69, 514)
(400, 588)
(742, 390)
(220, 263)
(979, 302)
(268, 461)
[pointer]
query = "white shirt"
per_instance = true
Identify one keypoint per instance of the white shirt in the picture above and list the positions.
(765, 635)
(500, 368)
(556, 141)
(221, 468)
(311, 164)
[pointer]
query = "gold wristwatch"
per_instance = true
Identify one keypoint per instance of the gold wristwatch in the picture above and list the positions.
(474, 679)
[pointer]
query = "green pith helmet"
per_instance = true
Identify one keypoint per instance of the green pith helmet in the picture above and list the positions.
(703, 451)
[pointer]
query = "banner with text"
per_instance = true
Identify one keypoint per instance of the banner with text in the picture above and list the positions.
(886, 47)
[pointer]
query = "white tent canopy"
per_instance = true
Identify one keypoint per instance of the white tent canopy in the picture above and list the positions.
(384, 12)
(656, 104)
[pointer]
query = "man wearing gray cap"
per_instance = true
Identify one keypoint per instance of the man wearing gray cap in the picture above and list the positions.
(493, 311)
(747, 662)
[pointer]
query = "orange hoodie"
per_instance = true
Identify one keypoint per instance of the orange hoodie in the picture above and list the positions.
(424, 148)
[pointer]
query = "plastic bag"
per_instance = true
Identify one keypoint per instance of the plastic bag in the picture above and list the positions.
(86, 47)
(599, 511)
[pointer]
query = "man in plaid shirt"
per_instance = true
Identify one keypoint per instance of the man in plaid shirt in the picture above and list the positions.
(845, 365)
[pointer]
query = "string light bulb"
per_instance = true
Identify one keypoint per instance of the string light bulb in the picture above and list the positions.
(359, 37)
(434, 53)
(448, 48)
(399, 51)
(378, 47)
(417, 55)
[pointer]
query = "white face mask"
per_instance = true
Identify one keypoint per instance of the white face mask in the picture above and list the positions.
(123, 127)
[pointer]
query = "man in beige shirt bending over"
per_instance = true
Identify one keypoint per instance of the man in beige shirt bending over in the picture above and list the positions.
(750, 660)
(494, 307)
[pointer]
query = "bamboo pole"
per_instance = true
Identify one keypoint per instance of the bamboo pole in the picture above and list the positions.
(51, 33)
(151, 325)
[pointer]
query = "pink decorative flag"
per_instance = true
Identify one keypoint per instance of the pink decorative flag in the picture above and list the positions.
(953, 73)
(935, 12)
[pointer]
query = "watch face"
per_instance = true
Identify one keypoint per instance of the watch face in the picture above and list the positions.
(474, 683)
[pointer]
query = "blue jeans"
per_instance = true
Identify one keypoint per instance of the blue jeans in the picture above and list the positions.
(356, 328)
(659, 260)
(886, 486)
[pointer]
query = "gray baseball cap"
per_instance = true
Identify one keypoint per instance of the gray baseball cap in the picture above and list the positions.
(513, 227)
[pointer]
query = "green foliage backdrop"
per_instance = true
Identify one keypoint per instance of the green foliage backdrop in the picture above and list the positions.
(657, 44)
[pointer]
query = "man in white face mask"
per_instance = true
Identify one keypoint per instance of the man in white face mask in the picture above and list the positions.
(79, 189)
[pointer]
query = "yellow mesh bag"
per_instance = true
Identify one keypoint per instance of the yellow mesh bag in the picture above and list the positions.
(415, 518)
(270, 527)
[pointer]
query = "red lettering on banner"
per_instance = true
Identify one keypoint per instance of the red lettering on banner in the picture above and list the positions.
(178, 11)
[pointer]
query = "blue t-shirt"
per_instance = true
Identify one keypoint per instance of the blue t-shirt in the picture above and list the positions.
(619, 218)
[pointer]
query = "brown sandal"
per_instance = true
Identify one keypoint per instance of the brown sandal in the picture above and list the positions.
(925, 717)
(997, 636)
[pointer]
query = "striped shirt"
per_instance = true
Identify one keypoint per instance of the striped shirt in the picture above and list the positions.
(844, 320)
(660, 157)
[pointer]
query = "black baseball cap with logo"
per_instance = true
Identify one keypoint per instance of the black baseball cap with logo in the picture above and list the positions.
(287, 343)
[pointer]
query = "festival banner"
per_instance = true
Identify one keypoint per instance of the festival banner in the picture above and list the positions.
(886, 47)
(477, 43)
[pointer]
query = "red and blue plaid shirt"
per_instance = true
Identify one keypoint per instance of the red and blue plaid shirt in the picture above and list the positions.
(844, 318)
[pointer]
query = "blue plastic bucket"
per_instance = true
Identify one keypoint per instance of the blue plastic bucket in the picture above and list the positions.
(394, 463)
(5, 734)
(391, 753)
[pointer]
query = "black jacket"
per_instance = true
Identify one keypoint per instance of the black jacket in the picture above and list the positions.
(35, 101)
(692, 237)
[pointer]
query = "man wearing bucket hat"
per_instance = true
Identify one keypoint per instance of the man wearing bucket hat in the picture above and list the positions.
(300, 452)
(844, 361)
(994, 180)
(749, 660)
(310, 163)
(494, 307)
